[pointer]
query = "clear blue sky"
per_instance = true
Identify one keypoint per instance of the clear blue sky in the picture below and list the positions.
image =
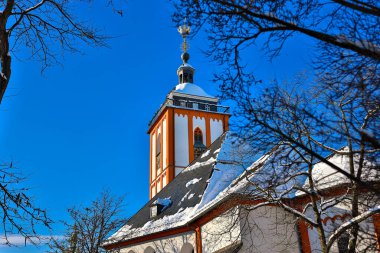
(81, 127)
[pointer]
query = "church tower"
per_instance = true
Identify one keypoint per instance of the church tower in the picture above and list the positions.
(184, 126)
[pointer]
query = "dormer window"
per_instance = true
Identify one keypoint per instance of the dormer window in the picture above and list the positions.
(159, 205)
(153, 211)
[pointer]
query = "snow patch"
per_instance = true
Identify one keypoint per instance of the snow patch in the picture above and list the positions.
(191, 89)
(166, 202)
(193, 181)
(184, 197)
(217, 151)
(205, 154)
(200, 164)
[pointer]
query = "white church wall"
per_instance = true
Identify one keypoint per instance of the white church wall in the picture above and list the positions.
(216, 129)
(181, 142)
(201, 123)
(221, 232)
(314, 240)
(366, 239)
(268, 229)
(174, 244)
(153, 158)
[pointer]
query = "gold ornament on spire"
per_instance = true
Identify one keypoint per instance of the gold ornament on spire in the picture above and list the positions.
(184, 30)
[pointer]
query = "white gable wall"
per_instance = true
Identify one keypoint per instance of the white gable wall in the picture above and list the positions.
(221, 232)
(334, 217)
(268, 229)
(181, 142)
(216, 129)
(153, 158)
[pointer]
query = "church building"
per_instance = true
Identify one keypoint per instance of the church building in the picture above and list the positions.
(199, 184)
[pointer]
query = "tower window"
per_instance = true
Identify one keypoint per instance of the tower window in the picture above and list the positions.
(158, 152)
(199, 147)
(185, 78)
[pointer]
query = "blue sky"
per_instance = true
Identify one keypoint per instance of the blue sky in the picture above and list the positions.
(81, 127)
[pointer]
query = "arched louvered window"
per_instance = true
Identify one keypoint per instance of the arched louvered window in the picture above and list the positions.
(199, 147)
(198, 136)
(158, 152)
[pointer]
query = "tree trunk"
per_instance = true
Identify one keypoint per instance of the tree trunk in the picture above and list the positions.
(5, 73)
(5, 57)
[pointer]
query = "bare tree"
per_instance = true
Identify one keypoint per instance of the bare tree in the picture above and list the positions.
(18, 212)
(44, 27)
(312, 117)
(90, 226)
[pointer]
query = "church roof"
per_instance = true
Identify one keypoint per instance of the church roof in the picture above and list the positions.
(227, 168)
(190, 192)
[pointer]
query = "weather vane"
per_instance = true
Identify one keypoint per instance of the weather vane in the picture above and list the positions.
(184, 30)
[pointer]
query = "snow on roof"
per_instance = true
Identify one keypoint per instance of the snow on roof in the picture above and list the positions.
(278, 168)
(237, 183)
(191, 89)
(233, 158)
(185, 65)
(166, 222)
(325, 176)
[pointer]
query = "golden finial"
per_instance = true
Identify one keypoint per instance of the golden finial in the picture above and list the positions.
(184, 30)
